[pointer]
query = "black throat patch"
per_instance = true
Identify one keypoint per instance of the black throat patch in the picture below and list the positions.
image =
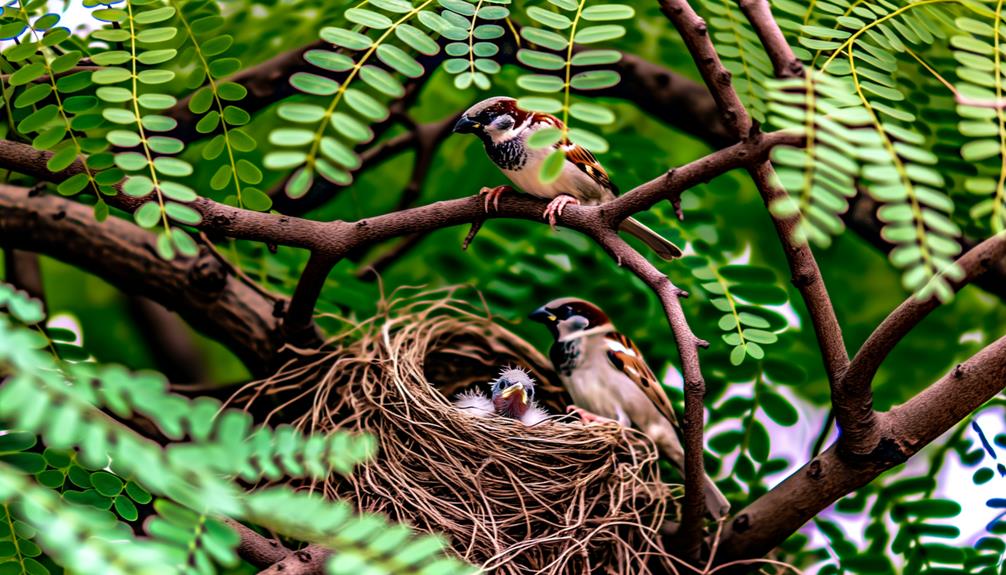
(566, 355)
(508, 155)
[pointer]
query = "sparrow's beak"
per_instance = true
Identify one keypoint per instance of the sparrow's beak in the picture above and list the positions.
(542, 315)
(515, 388)
(466, 125)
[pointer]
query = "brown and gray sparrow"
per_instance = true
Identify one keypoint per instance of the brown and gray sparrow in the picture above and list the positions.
(606, 375)
(512, 396)
(504, 129)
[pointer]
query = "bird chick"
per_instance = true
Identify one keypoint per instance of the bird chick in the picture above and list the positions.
(512, 397)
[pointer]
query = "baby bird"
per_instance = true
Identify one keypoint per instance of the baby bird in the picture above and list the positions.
(504, 129)
(512, 397)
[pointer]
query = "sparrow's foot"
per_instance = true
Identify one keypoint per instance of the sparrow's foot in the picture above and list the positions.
(556, 206)
(493, 195)
(588, 416)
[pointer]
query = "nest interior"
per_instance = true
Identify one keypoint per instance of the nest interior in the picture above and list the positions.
(557, 497)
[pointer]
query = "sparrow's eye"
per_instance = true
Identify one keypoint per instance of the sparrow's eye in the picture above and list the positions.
(503, 123)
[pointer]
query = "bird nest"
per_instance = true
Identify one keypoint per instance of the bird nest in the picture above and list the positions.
(557, 497)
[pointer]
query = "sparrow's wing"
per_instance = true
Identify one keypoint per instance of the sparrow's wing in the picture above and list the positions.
(579, 156)
(626, 357)
(583, 159)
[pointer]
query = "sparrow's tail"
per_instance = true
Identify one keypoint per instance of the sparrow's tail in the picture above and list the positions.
(659, 244)
(666, 438)
(716, 503)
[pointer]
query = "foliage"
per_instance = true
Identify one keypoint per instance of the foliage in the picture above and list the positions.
(115, 470)
(900, 101)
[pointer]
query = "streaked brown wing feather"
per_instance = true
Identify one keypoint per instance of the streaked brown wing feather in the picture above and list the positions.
(579, 156)
(583, 159)
(626, 357)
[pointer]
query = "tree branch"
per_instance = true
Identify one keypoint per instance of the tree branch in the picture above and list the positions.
(257, 549)
(200, 289)
(863, 368)
(307, 561)
(905, 430)
(21, 270)
(759, 14)
(806, 275)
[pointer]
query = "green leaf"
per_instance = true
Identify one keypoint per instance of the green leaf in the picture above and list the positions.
(778, 408)
(351, 127)
(345, 38)
(106, 484)
(592, 113)
(540, 104)
(399, 60)
(540, 83)
(299, 183)
(417, 39)
(589, 140)
(173, 167)
(314, 84)
(255, 199)
(596, 57)
(182, 213)
(27, 74)
(540, 60)
(544, 38)
(550, 19)
(544, 138)
(602, 33)
(123, 506)
(758, 442)
(551, 167)
(381, 81)
(301, 113)
(62, 159)
(594, 80)
(368, 18)
(148, 215)
(604, 12)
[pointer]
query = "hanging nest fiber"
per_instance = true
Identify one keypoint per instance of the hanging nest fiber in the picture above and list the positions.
(555, 498)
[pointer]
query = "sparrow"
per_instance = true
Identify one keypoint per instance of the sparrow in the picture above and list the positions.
(607, 377)
(512, 397)
(504, 129)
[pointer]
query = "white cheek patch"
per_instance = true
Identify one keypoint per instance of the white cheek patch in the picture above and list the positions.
(510, 134)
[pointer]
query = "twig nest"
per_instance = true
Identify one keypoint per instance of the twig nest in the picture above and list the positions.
(558, 497)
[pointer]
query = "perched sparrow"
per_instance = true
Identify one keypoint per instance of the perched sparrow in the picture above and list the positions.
(606, 374)
(512, 396)
(504, 129)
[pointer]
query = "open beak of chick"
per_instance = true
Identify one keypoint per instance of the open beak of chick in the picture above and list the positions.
(515, 393)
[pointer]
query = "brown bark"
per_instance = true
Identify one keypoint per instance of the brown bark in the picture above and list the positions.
(200, 289)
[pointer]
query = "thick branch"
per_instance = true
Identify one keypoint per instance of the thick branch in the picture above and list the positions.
(857, 382)
(200, 289)
(307, 561)
(169, 341)
(904, 431)
(257, 549)
(805, 273)
(331, 241)
(21, 270)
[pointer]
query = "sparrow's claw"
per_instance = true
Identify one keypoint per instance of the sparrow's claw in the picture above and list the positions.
(556, 206)
(493, 195)
(589, 417)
